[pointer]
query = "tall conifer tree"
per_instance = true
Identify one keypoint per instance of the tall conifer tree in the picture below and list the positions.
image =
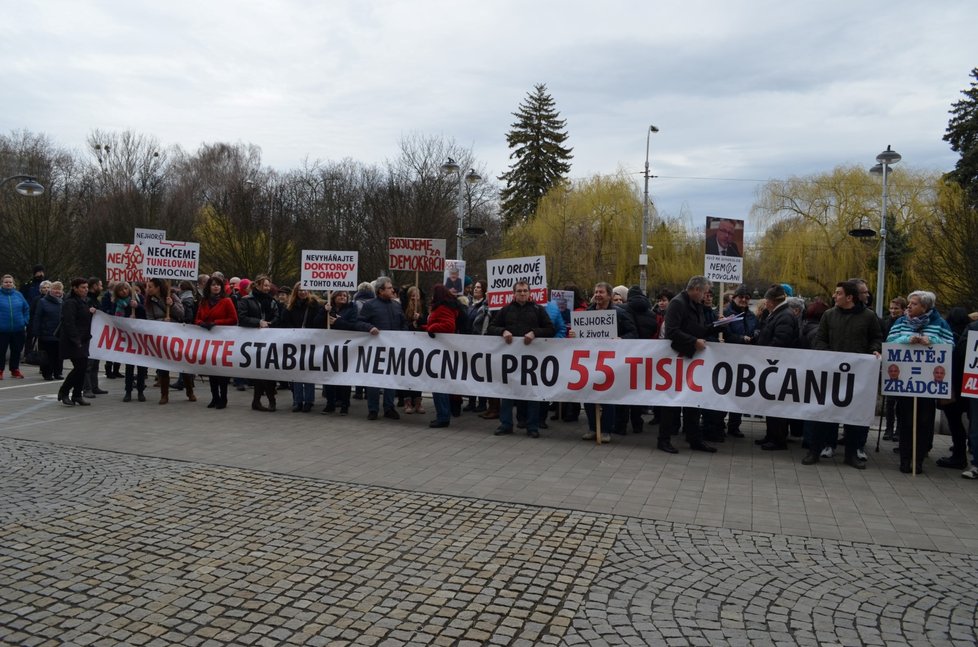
(962, 134)
(537, 139)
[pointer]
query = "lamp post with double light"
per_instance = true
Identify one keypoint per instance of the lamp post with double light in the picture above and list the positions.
(886, 159)
(449, 167)
(643, 259)
(28, 185)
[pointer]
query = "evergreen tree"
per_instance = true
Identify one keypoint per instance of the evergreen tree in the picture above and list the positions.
(542, 161)
(962, 134)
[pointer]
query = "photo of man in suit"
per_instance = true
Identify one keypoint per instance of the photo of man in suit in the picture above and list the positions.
(721, 237)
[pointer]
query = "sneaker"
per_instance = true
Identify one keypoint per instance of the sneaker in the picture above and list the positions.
(17, 374)
(861, 455)
(828, 452)
(588, 436)
(970, 473)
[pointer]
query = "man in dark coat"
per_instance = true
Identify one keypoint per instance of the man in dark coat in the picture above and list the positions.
(382, 313)
(520, 318)
(685, 326)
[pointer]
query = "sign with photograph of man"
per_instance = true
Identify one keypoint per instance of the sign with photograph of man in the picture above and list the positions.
(455, 276)
(912, 370)
(724, 261)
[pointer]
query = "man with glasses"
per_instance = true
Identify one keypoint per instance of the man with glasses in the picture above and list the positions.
(520, 318)
(723, 243)
(383, 312)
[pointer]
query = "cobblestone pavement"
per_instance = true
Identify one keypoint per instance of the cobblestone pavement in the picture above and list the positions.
(100, 548)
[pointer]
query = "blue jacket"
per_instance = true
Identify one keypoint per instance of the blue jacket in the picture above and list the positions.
(383, 314)
(47, 316)
(935, 328)
(15, 312)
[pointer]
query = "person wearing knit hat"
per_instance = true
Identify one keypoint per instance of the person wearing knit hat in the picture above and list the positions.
(780, 330)
(619, 295)
(741, 331)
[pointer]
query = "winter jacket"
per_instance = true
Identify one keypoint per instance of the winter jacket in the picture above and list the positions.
(257, 307)
(47, 317)
(221, 313)
(347, 318)
(781, 329)
(383, 314)
(443, 319)
(301, 315)
(935, 328)
(640, 308)
(156, 309)
(15, 312)
(744, 327)
(76, 328)
(853, 330)
(560, 327)
(520, 319)
(685, 323)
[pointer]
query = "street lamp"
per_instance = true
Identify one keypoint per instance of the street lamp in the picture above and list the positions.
(451, 166)
(28, 184)
(643, 258)
(885, 159)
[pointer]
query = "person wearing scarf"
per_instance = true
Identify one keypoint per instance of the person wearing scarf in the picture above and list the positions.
(216, 309)
(921, 324)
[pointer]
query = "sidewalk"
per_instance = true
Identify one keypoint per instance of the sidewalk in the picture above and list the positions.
(136, 524)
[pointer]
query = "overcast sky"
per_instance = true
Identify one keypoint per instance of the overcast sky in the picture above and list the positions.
(741, 91)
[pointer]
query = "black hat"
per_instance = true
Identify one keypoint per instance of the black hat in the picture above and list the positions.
(38, 268)
(742, 291)
(775, 293)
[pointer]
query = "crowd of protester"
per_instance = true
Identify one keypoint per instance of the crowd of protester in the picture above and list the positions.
(44, 324)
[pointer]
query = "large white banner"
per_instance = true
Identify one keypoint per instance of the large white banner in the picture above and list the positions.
(833, 387)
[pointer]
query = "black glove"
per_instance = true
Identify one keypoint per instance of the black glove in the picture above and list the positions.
(431, 334)
(206, 325)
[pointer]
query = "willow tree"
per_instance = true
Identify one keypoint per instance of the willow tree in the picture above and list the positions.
(590, 230)
(807, 223)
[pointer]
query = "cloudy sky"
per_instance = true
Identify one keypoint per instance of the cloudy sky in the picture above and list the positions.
(741, 91)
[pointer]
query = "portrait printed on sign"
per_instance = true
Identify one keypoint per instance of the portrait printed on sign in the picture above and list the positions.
(969, 380)
(455, 276)
(913, 370)
(724, 261)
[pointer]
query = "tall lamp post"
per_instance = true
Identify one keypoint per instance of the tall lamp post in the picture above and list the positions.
(28, 184)
(885, 159)
(643, 259)
(451, 166)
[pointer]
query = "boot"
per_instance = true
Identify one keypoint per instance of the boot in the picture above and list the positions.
(164, 389)
(271, 400)
(492, 410)
(215, 394)
(189, 387)
(417, 406)
(256, 398)
(223, 388)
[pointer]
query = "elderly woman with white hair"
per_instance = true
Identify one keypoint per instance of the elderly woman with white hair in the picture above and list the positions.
(921, 324)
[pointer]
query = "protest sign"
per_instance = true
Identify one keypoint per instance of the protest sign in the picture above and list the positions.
(724, 261)
(969, 381)
(595, 324)
(123, 262)
(505, 272)
(416, 254)
(916, 370)
(172, 260)
(144, 236)
(326, 270)
(789, 383)
(455, 276)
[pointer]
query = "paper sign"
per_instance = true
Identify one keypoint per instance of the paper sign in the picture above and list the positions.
(145, 236)
(173, 260)
(595, 324)
(505, 272)
(325, 270)
(455, 276)
(416, 254)
(123, 262)
(915, 370)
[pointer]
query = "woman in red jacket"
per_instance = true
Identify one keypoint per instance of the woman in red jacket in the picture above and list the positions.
(216, 309)
(444, 316)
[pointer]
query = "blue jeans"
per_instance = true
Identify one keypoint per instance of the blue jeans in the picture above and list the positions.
(303, 392)
(607, 417)
(373, 399)
(532, 414)
(443, 406)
